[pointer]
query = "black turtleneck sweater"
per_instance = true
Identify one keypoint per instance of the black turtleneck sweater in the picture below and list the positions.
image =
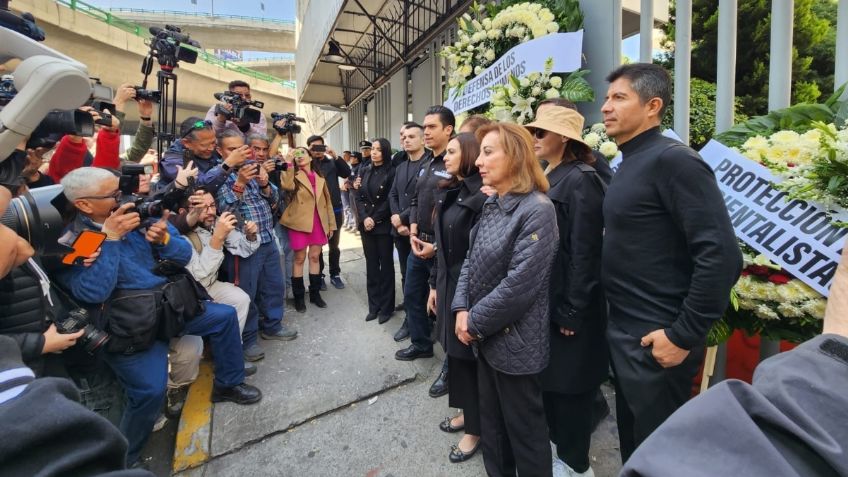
(670, 255)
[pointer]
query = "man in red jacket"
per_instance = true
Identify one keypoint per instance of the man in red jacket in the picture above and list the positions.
(72, 151)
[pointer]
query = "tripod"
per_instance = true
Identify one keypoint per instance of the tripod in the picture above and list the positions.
(167, 114)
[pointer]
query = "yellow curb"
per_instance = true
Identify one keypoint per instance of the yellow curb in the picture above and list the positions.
(192, 444)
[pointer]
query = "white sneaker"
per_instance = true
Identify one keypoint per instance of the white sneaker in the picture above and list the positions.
(160, 422)
(561, 469)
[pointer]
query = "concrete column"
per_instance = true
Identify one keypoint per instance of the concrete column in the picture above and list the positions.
(371, 130)
(437, 60)
(780, 64)
(422, 86)
(398, 105)
(602, 48)
(682, 67)
(726, 64)
(646, 31)
(841, 73)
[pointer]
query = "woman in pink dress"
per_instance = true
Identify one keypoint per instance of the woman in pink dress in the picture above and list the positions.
(310, 219)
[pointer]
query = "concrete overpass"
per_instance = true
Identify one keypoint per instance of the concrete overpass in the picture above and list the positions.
(221, 31)
(115, 57)
(280, 67)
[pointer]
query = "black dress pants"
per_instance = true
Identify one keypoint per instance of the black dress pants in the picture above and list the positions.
(404, 248)
(380, 272)
(463, 393)
(335, 253)
(570, 418)
(514, 429)
(646, 394)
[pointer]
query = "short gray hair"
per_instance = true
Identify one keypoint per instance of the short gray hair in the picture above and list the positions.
(648, 80)
(257, 137)
(84, 181)
(227, 133)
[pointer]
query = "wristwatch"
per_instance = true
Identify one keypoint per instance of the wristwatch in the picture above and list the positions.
(225, 167)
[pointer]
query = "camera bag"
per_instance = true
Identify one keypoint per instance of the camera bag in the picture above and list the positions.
(131, 318)
(183, 298)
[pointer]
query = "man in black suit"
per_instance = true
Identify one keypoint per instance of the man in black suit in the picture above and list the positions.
(403, 188)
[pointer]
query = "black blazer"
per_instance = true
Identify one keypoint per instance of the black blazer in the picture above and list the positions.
(373, 198)
(578, 363)
(403, 187)
(453, 240)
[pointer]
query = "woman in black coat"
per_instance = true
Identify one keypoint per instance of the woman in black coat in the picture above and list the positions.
(458, 207)
(375, 228)
(579, 361)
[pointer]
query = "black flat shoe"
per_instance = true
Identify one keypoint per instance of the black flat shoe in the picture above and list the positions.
(370, 317)
(445, 426)
(384, 318)
(456, 455)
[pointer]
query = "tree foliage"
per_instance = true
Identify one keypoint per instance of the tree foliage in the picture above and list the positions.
(702, 109)
(813, 52)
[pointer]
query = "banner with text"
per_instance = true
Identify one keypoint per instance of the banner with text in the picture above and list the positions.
(565, 49)
(797, 235)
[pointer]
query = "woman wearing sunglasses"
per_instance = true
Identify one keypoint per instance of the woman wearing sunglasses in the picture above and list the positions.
(310, 219)
(578, 361)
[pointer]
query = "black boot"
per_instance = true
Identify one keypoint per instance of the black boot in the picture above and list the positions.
(315, 291)
(299, 292)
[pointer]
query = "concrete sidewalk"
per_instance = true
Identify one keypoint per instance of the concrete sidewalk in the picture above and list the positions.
(337, 403)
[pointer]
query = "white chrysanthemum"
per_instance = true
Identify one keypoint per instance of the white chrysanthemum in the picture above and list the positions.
(487, 23)
(766, 313)
(553, 27)
(552, 93)
(592, 139)
(536, 91)
(789, 310)
(556, 82)
(784, 136)
(599, 128)
(489, 55)
(478, 69)
(524, 82)
(477, 37)
(608, 149)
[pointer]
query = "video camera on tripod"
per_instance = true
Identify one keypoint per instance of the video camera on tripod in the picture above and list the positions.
(241, 107)
(168, 47)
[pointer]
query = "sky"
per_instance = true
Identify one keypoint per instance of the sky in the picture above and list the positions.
(277, 9)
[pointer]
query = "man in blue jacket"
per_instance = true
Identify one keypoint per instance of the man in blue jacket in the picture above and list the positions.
(126, 263)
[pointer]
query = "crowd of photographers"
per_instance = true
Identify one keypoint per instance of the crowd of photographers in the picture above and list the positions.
(167, 257)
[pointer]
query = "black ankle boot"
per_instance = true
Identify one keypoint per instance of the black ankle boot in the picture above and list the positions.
(315, 291)
(299, 292)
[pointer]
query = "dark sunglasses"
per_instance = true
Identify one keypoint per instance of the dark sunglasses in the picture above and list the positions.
(196, 126)
(539, 133)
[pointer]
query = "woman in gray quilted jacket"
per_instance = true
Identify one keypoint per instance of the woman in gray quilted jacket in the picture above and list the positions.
(501, 302)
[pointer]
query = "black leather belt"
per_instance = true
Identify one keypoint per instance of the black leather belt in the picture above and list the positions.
(425, 237)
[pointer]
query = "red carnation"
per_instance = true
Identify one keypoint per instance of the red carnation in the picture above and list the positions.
(778, 279)
(759, 270)
(745, 273)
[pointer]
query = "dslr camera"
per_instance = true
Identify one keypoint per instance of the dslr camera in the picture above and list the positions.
(149, 207)
(241, 107)
(147, 94)
(92, 339)
(289, 126)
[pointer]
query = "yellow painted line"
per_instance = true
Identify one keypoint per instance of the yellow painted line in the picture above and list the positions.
(193, 434)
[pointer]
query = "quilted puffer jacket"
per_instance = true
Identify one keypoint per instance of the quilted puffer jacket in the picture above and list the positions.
(504, 283)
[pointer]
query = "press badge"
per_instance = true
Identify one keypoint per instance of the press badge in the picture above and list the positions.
(442, 174)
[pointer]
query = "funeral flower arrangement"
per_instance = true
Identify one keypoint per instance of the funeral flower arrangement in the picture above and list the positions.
(516, 100)
(805, 145)
(487, 32)
(596, 138)
(770, 302)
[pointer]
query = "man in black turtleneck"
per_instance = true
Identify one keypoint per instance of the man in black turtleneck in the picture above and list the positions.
(670, 256)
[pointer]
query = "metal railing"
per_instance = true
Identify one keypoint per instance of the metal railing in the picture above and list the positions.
(138, 30)
(205, 15)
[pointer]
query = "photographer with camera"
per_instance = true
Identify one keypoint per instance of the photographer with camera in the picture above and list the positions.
(222, 114)
(72, 152)
(333, 167)
(249, 194)
(145, 133)
(124, 280)
(197, 144)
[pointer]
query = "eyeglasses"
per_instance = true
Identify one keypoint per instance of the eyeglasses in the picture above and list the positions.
(117, 194)
(196, 126)
(539, 133)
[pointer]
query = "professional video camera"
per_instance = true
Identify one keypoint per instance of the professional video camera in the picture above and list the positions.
(92, 339)
(154, 206)
(167, 47)
(241, 107)
(290, 125)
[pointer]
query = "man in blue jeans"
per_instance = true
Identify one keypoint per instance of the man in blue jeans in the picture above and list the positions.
(439, 124)
(126, 262)
(250, 194)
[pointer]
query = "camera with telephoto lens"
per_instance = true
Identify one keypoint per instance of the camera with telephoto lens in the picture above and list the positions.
(92, 339)
(149, 207)
(289, 126)
(241, 107)
(147, 94)
(59, 123)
